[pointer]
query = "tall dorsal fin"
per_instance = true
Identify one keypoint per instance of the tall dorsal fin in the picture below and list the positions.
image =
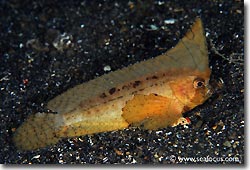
(190, 53)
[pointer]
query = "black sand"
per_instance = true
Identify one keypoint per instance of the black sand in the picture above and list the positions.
(35, 67)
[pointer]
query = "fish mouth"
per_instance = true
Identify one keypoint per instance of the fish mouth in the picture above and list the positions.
(209, 92)
(215, 86)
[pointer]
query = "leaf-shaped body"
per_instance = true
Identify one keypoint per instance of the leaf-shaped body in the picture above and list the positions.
(152, 94)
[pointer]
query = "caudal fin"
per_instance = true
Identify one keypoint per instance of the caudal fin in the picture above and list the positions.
(36, 132)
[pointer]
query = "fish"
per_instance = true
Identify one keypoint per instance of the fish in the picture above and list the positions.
(151, 94)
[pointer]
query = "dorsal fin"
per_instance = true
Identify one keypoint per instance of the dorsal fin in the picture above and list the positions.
(190, 52)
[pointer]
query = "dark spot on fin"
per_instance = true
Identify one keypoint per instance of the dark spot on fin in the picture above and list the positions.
(103, 95)
(112, 90)
(154, 77)
(136, 83)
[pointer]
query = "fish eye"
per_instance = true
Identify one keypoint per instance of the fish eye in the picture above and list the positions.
(199, 83)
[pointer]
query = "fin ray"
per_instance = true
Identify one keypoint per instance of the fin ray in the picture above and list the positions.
(36, 132)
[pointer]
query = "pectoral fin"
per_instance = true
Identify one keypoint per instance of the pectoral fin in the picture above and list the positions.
(152, 111)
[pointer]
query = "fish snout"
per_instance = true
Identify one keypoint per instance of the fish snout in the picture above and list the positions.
(215, 86)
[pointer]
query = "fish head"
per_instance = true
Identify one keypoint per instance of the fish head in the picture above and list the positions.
(192, 90)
